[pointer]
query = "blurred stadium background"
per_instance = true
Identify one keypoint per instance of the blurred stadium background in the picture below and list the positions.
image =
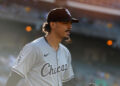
(95, 44)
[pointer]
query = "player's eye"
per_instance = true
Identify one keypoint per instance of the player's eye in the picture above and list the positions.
(66, 22)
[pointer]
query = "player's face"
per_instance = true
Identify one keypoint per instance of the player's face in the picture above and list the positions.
(63, 29)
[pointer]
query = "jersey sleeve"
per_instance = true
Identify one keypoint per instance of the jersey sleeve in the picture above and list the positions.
(25, 61)
(69, 74)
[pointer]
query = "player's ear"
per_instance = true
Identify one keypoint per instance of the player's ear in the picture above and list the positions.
(52, 25)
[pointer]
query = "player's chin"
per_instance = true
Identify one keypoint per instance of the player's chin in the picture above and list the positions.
(66, 37)
(67, 40)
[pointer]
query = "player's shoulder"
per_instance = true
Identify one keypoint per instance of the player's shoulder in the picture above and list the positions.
(35, 43)
(38, 40)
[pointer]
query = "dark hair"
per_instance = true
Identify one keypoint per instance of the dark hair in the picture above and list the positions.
(46, 28)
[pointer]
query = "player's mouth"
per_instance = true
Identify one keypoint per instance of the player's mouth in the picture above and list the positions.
(68, 31)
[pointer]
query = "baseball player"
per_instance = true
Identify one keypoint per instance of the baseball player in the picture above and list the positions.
(45, 61)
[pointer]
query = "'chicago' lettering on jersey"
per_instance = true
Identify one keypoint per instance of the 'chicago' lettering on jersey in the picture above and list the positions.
(52, 70)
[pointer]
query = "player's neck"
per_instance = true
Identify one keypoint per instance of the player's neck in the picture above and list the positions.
(53, 41)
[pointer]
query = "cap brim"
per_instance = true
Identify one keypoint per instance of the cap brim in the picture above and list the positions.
(74, 20)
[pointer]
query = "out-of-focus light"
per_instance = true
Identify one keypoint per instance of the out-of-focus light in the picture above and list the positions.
(109, 42)
(28, 28)
(28, 9)
(109, 25)
(107, 75)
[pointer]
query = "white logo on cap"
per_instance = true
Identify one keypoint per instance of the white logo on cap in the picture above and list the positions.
(68, 12)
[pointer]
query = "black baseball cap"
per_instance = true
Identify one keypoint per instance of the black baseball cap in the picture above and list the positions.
(60, 15)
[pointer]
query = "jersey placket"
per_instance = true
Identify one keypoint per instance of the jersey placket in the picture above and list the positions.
(57, 66)
(55, 58)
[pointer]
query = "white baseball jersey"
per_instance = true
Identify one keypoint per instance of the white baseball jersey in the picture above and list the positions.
(41, 65)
